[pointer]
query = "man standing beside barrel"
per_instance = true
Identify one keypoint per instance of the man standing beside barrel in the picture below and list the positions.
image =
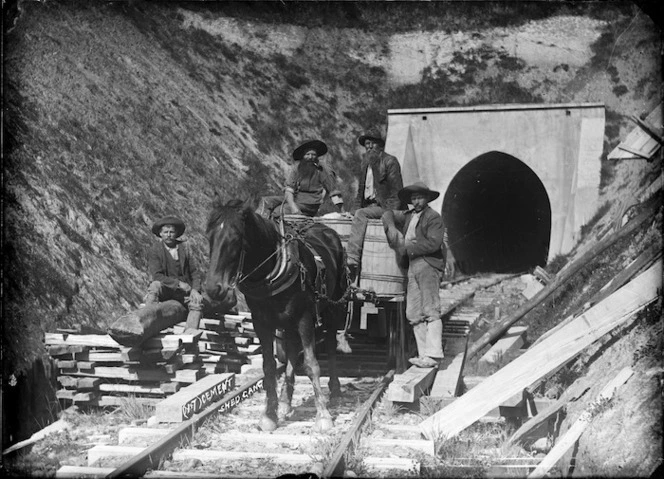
(417, 237)
(380, 181)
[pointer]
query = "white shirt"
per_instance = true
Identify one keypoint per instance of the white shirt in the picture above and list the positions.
(410, 233)
(369, 192)
(173, 251)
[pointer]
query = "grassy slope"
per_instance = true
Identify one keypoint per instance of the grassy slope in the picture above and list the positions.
(117, 115)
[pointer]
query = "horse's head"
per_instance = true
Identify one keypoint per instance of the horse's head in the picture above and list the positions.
(226, 235)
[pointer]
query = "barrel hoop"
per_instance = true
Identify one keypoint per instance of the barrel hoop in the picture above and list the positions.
(382, 277)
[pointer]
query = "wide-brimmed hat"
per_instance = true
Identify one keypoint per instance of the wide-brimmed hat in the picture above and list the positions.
(373, 135)
(418, 187)
(318, 146)
(169, 220)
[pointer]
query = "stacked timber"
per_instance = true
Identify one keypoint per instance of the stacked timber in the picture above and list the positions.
(225, 344)
(95, 370)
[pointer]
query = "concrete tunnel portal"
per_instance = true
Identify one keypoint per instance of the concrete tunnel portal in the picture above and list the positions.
(498, 216)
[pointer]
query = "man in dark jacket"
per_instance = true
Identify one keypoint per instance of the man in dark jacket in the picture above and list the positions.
(417, 236)
(380, 182)
(173, 270)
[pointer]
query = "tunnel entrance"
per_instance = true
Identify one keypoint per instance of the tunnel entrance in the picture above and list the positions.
(498, 216)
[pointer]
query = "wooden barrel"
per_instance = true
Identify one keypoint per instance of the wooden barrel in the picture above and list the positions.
(340, 225)
(380, 270)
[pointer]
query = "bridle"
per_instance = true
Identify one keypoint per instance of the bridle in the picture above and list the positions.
(239, 277)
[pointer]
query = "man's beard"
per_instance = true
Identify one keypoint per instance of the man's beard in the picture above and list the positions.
(306, 169)
(372, 156)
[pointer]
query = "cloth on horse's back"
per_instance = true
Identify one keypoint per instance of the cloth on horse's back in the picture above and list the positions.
(326, 243)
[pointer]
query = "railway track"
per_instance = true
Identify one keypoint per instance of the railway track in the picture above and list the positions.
(225, 441)
(372, 437)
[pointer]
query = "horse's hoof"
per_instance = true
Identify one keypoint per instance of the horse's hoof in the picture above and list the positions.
(285, 410)
(267, 424)
(335, 393)
(323, 424)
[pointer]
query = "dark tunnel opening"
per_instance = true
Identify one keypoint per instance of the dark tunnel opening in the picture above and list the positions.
(498, 216)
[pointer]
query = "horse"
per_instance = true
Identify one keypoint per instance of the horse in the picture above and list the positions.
(284, 289)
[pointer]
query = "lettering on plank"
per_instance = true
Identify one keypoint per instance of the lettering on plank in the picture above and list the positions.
(206, 398)
(246, 394)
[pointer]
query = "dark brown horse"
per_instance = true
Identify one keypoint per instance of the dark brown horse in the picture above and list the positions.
(284, 289)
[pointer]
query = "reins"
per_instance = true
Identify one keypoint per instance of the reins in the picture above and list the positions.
(240, 278)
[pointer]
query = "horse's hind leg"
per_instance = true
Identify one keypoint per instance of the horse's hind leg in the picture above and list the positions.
(331, 348)
(269, 419)
(286, 396)
(307, 333)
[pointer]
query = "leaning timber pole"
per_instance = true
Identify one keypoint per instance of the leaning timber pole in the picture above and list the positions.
(501, 328)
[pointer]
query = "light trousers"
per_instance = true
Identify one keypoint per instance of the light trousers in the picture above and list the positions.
(423, 308)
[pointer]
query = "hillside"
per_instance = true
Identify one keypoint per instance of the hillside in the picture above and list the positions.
(118, 113)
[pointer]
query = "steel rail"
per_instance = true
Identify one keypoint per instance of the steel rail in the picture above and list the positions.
(151, 456)
(336, 466)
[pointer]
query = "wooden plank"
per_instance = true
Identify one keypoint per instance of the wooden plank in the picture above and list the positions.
(172, 341)
(68, 381)
(169, 387)
(66, 394)
(103, 451)
(448, 381)
(65, 363)
(67, 472)
(85, 397)
(409, 386)
(59, 425)
(126, 373)
(119, 401)
(411, 466)
(563, 277)
(64, 349)
(290, 459)
(209, 323)
(86, 365)
(188, 401)
(614, 311)
(131, 434)
(130, 389)
(513, 340)
(533, 286)
(422, 445)
(189, 375)
(91, 340)
(644, 260)
(54, 339)
(574, 432)
(207, 455)
(88, 383)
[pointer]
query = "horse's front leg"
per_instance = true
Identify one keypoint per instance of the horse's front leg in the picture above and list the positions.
(292, 343)
(265, 334)
(306, 329)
